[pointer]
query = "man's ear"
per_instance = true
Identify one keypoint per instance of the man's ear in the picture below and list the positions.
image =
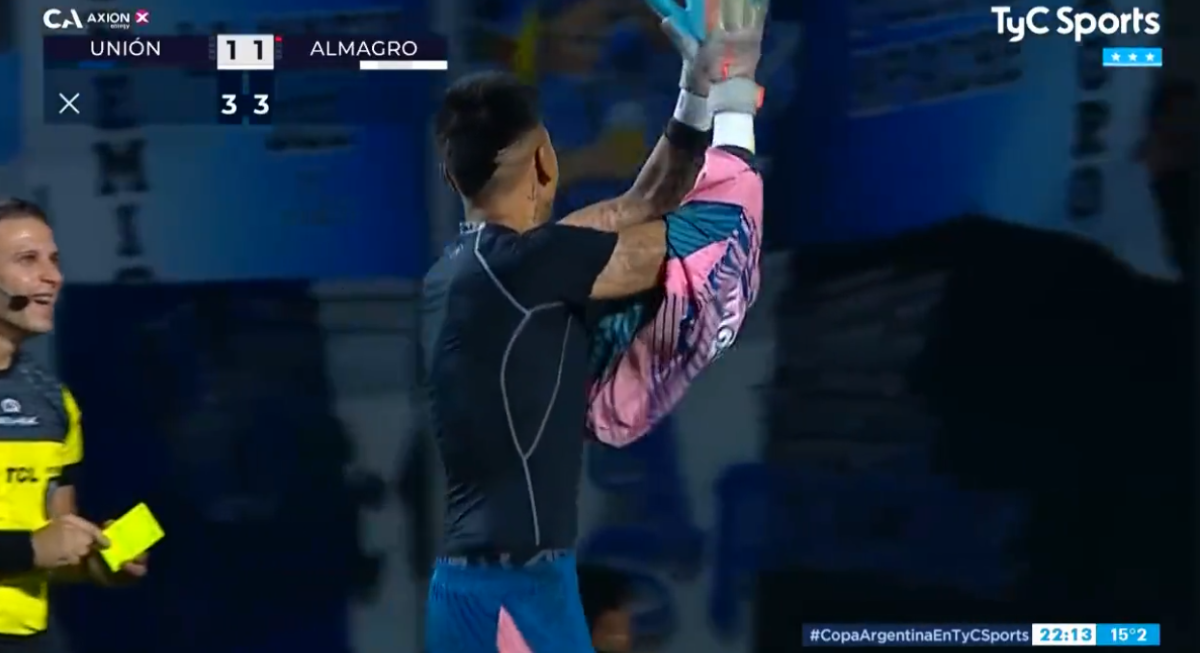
(541, 164)
(449, 179)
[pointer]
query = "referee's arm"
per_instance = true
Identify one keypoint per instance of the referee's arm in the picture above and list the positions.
(62, 500)
(16, 550)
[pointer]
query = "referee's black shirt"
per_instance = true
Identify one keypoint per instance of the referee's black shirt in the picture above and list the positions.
(506, 364)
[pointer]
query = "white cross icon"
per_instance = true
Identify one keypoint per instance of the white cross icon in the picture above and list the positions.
(68, 103)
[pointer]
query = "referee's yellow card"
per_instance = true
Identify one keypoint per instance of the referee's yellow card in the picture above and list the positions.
(131, 536)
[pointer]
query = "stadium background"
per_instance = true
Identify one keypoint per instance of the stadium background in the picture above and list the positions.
(942, 395)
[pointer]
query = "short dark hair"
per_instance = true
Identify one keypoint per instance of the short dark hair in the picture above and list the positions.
(602, 590)
(481, 115)
(13, 207)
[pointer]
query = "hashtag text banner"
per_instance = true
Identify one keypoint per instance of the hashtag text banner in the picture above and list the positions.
(909, 635)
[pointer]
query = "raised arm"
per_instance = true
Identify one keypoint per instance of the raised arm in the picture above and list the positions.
(727, 190)
(669, 173)
(718, 78)
(647, 356)
(670, 170)
(636, 264)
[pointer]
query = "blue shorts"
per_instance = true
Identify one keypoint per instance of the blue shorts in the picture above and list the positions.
(485, 609)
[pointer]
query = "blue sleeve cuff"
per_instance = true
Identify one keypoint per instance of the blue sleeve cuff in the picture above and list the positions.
(16, 552)
(70, 474)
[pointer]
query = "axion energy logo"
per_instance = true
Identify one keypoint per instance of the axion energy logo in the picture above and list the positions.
(1066, 21)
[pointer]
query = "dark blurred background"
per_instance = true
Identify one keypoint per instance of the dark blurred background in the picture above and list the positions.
(966, 395)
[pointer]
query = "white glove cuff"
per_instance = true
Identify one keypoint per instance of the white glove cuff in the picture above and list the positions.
(734, 129)
(738, 95)
(692, 110)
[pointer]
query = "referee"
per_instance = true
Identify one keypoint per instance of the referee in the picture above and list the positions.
(41, 445)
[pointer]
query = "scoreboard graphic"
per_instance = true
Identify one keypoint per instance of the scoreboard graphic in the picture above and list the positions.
(240, 79)
(226, 141)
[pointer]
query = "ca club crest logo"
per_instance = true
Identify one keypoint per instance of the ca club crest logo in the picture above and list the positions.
(58, 19)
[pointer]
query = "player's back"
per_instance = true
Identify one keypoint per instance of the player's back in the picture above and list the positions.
(505, 356)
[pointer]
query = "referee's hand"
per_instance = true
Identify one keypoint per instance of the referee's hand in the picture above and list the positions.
(65, 542)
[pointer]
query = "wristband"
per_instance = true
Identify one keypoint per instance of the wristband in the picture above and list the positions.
(687, 138)
(16, 552)
(692, 110)
(734, 130)
(69, 475)
(737, 95)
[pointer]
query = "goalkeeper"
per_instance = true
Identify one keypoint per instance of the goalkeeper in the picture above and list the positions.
(507, 363)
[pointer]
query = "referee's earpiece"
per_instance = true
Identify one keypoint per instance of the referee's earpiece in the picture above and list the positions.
(15, 302)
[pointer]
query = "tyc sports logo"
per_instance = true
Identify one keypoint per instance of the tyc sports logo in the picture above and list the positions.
(70, 19)
(1078, 24)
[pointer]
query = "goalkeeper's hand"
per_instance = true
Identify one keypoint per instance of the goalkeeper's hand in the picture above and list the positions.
(730, 50)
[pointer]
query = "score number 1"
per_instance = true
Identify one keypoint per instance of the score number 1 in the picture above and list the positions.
(245, 52)
(258, 45)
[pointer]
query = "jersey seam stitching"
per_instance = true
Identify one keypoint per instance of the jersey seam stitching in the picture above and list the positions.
(526, 314)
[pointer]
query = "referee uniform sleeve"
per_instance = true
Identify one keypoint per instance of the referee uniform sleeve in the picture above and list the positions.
(71, 455)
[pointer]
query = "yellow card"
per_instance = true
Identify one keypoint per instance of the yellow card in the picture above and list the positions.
(131, 536)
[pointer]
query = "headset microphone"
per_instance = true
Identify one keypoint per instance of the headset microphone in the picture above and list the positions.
(15, 302)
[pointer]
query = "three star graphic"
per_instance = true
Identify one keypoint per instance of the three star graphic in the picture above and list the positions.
(1133, 57)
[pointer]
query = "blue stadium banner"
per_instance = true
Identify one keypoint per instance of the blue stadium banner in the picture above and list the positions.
(10, 112)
